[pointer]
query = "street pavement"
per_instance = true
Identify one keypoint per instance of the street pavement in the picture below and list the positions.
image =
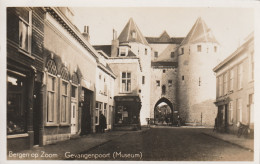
(149, 144)
(171, 144)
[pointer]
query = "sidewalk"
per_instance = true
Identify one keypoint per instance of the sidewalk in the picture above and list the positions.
(76, 145)
(231, 138)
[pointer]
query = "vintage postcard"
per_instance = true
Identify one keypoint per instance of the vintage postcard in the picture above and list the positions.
(144, 81)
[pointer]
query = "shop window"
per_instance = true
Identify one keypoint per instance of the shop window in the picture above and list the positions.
(16, 117)
(25, 32)
(126, 82)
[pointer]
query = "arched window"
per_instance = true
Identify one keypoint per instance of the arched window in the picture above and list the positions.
(75, 78)
(51, 91)
(64, 95)
(74, 85)
(51, 67)
(163, 89)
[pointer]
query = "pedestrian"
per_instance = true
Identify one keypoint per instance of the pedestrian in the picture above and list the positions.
(216, 124)
(179, 121)
(102, 123)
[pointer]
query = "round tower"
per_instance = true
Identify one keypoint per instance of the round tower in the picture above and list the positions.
(196, 92)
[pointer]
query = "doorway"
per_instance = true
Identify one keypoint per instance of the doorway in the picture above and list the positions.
(86, 111)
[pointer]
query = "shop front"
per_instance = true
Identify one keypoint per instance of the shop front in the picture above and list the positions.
(127, 112)
(222, 115)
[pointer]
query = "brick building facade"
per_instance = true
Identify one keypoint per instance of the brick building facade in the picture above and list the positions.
(25, 35)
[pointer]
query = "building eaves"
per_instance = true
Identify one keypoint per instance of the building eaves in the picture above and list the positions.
(105, 48)
(164, 64)
(107, 69)
(236, 53)
(63, 20)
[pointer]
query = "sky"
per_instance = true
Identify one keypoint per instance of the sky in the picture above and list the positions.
(230, 25)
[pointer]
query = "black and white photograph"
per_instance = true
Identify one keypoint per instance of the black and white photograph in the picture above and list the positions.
(136, 81)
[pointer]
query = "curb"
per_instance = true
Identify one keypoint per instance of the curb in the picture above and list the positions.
(228, 142)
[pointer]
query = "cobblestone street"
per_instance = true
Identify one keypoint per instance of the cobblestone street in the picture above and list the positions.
(172, 144)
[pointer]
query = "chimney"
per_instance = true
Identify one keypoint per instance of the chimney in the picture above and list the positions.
(115, 45)
(86, 33)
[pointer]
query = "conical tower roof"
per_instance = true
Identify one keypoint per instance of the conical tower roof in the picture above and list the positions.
(131, 33)
(199, 33)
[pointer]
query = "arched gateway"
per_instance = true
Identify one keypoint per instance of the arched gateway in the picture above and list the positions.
(163, 112)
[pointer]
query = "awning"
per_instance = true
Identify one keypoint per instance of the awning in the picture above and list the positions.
(127, 98)
(87, 84)
(222, 101)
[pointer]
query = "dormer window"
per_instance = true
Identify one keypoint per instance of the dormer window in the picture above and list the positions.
(134, 34)
(122, 52)
(199, 48)
(215, 49)
(182, 50)
(172, 54)
(155, 54)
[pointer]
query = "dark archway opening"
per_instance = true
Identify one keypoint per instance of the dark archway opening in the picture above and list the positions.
(163, 112)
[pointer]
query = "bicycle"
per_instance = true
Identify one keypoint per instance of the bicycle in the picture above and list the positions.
(242, 130)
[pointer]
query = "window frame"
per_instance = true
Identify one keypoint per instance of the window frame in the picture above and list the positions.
(29, 32)
(67, 96)
(240, 76)
(122, 89)
(54, 112)
(158, 83)
(199, 48)
(231, 112)
(169, 83)
(172, 54)
(155, 54)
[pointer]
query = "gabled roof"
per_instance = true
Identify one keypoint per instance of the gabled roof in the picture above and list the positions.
(164, 38)
(126, 34)
(199, 33)
(105, 48)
